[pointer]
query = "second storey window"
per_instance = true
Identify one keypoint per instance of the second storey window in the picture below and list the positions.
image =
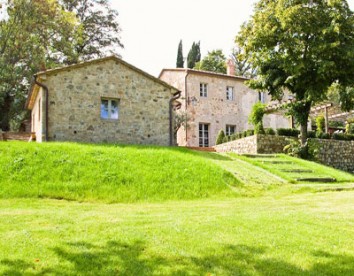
(230, 129)
(204, 90)
(109, 109)
(229, 93)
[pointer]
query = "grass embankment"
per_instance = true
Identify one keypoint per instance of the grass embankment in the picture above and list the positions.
(303, 234)
(291, 169)
(108, 173)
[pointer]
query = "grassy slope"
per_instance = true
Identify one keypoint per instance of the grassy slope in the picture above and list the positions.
(307, 234)
(299, 164)
(108, 173)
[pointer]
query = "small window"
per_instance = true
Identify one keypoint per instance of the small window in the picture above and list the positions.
(229, 93)
(109, 109)
(230, 129)
(204, 90)
(261, 97)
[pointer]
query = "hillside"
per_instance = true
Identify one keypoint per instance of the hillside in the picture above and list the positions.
(108, 173)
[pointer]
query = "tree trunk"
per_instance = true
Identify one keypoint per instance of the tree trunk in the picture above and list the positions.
(5, 113)
(303, 134)
(303, 123)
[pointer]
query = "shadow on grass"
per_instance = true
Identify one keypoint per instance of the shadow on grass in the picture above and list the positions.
(116, 258)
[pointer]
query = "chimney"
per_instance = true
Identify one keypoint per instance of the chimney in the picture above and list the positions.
(230, 67)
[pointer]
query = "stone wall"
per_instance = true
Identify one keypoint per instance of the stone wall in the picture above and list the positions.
(246, 145)
(255, 144)
(75, 105)
(334, 153)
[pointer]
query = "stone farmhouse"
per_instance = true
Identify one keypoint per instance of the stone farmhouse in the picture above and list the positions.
(215, 102)
(103, 100)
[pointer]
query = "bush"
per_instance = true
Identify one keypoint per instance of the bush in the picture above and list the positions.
(250, 132)
(220, 137)
(226, 139)
(343, 137)
(311, 134)
(269, 131)
(324, 136)
(256, 117)
(233, 137)
(288, 132)
(295, 149)
(320, 124)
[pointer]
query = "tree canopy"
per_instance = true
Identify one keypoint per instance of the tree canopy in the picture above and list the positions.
(215, 61)
(303, 47)
(243, 67)
(41, 34)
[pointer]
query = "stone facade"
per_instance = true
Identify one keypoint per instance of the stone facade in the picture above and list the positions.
(256, 144)
(337, 154)
(76, 95)
(215, 110)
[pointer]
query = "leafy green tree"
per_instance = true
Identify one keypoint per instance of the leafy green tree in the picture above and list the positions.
(41, 34)
(180, 62)
(31, 34)
(98, 31)
(301, 46)
(243, 67)
(193, 55)
(215, 61)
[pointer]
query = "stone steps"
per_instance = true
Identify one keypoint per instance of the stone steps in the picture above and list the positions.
(317, 179)
(260, 155)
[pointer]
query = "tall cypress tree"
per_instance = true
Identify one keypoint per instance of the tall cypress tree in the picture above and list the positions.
(180, 62)
(193, 55)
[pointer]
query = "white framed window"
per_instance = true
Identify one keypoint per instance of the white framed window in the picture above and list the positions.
(203, 88)
(261, 97)
(203, 135)
(229, 93)
(109, 108)
(230, 129)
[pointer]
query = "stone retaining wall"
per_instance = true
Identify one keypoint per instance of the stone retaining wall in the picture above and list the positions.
(334, 153)
(255, 144)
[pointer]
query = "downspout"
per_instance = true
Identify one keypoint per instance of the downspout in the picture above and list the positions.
(45, 88)
(176, 96)
(187, 102)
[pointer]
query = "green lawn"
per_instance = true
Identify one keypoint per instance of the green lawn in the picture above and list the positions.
(75, 209)
(307, 234)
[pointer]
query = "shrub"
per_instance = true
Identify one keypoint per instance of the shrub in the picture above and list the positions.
(294, 148)
(256, 117)
(288, 132)
(320, 124)
(220, 137)
(324, 136)
(226, 139)
(233, 137)
(342, 136)
(250, 132)
(311, 134)
(269, 131)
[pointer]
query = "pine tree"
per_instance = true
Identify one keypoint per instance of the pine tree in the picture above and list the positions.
(193, 55)
(180, 62)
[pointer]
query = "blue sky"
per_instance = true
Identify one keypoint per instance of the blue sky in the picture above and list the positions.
(152, 29)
